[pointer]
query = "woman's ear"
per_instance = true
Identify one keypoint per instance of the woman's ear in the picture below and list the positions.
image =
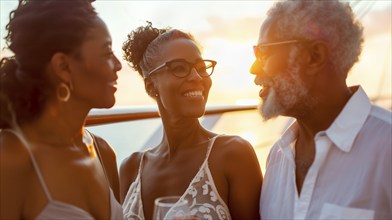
(317, 56)
(60, 65)
(150, 87)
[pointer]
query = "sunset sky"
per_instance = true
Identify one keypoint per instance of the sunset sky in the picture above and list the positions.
(227, 30)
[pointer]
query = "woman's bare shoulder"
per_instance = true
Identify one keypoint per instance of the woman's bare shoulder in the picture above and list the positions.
(129, 170)
(13, 154)
(131, 163)
(234, 151)
(233, 144)
(16, 169)
(104, 147)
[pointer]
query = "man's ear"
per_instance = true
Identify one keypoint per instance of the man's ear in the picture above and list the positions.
(317, 56)
(60, 64)
(150, 87)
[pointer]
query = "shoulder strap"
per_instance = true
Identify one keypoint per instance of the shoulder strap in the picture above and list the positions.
(212, 141)
(95, 143)
(19, 134)
(141, 162)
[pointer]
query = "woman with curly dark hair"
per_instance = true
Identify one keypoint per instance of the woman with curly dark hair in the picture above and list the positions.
(63, 66)
(218, 175)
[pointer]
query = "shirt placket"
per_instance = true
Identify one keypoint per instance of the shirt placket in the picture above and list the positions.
(302, 202)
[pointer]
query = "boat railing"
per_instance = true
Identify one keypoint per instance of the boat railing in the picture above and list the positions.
(126, 113)
(132, 113)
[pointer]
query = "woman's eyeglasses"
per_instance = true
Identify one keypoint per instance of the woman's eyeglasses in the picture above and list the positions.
(182, 68)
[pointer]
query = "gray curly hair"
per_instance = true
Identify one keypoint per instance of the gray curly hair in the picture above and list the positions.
(328, 20)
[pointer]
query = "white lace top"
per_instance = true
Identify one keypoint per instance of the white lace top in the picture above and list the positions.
(201, 194)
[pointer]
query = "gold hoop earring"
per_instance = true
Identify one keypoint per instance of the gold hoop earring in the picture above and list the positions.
(63, 92)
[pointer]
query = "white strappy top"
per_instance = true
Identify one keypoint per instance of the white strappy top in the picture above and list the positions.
(202, 195)
(60, 210)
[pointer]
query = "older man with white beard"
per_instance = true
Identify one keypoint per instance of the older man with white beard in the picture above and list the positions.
(334, 161)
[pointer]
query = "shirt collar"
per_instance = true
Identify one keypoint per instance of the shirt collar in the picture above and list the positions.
(346, 126)
(287, 139)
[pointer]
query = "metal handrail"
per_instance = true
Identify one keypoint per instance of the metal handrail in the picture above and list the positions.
(127, 113)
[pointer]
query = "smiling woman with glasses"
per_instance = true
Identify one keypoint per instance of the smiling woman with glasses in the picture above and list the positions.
(218, 175)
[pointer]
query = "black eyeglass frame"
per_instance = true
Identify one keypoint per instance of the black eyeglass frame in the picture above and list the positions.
(191, 65)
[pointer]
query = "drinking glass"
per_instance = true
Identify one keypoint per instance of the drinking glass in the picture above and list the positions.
(169, 207)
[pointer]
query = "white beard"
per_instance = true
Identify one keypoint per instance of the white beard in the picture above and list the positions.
(287, 93)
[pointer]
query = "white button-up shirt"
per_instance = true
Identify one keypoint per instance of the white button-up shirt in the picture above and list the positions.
(351, 176)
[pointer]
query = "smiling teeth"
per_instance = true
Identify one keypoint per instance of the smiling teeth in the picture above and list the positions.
(193, 94)
(113, 83)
